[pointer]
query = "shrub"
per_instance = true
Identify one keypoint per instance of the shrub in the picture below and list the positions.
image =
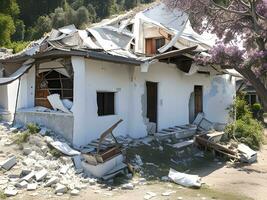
(246, 129)
(33, 128)
(21, 138)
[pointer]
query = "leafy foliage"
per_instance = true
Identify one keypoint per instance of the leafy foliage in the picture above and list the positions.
(246, 129)
(33, 128)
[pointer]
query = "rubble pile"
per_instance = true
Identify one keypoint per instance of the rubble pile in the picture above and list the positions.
(38, 167)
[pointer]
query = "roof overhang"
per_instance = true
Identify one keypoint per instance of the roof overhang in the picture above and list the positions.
(84, 53)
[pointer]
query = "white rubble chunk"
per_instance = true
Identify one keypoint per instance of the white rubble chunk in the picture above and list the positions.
(60, 188)
(77, 162)
(128, 186)
(168, 193)
(41, 174)
(29, 176)
(9, 163)
(51, 181)
(64, 148)
(74, 192)
(31, 186)
(180, 198)
(22, 184)
(183, 179)
(27, 151)
(9, 191)
(149, 195)
(64, 169)
(43, 131)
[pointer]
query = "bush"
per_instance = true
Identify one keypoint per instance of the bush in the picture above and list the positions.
(246, 129)
(21, 138)
(33, 128)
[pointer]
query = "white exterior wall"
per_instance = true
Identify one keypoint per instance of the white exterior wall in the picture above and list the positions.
(8, 93)
(174, 90)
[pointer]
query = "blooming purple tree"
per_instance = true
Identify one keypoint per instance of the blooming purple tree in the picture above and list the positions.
(241, 27)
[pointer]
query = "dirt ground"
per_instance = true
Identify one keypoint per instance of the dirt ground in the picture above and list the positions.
(222, 181)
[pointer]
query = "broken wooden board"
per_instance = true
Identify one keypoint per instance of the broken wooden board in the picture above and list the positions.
(217, 147)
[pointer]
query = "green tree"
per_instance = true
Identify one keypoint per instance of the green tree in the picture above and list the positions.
(7, 29)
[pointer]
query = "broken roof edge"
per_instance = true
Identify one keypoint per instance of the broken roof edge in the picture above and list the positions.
(87, 54)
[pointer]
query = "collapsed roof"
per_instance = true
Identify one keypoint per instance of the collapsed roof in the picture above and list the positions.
(111, 39)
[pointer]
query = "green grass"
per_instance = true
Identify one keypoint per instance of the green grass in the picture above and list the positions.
(2, 195)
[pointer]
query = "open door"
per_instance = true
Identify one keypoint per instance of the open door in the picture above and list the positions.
(198, 91)
(152, 101)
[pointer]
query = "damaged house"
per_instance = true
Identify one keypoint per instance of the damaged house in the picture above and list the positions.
(137, 67)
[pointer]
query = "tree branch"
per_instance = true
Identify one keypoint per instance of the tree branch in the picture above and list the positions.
(229, 10)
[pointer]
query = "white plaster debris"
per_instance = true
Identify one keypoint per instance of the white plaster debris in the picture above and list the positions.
(64, 148)
(51, 181)
(74, 192)
(64, 169)
(128, 186)
(9, 163)
(168, 193)
(60, 188)
(22, 184)
(41, 174)
(31, 186)
(10, 191)
(29, 176)
(149, 195)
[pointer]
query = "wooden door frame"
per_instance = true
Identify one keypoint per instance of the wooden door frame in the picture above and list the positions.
(156, 106)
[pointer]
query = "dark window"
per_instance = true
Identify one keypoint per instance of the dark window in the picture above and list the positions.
(160, 42)
(105, 103)
(253, 99)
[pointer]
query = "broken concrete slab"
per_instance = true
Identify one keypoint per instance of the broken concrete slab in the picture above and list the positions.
(9, 163)
(29, 176)
(31, 186)
(60, 188)
(77, 162)
(74, 192)
(52, 181)
(64, 148)
(128, 186)
(22, 184)
(64, 169)
(149, 195)
(41, 175)
(10, 191)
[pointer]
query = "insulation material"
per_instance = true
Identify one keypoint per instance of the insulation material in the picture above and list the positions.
(56, 103)
(17, 74)
(186, 180)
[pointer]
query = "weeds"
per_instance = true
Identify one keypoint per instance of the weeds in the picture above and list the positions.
(2, 195)
(33, 128)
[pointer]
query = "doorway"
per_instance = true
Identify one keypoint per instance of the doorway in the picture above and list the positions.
(152, 101)
(198, 91)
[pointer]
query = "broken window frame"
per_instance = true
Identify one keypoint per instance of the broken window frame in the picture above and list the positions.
(153, 48)
(43, 101)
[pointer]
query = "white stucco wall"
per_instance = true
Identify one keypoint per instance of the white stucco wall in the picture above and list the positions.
(174, 90)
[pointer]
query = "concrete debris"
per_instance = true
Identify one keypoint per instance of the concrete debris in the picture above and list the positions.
(9, 163)
(64, 148)
(31, 186)
(10, 191)
(168, 193)
(128, 186)
(138, 160)
(74, 192)
(180, 198)
(246, 154)
(27, 151)
(43, 131)
(60, 188)
(64, 169)
(149, 195)
(22, 184)
(51, 181)
(184, 179)
(41, 174)
(29, 176)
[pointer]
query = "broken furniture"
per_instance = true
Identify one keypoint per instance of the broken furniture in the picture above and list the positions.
(104, 158)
